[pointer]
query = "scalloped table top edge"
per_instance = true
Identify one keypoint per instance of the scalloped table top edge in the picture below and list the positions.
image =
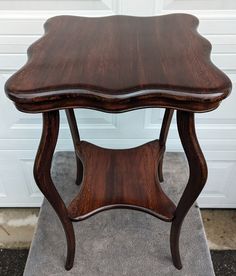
(118, 63)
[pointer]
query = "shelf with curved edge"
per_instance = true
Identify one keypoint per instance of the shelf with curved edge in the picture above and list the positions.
(126, 178)
(118, 63)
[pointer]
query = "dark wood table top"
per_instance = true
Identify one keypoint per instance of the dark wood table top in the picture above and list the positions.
(119, 63)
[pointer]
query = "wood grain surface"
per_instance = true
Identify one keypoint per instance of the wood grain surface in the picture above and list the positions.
(119, 63)
(121, 179)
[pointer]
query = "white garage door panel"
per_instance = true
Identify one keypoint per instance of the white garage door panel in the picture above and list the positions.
(199, 4)
(226, 61)
(52, 5)
(222, 43)
(21, 26)
(217, 192)
(19, 188)
(15, 44)
(20, 132)
(10, 62)
(218, 27)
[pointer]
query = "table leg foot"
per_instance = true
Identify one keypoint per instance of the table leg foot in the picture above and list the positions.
(196, 182)
(42, 175)
(174, 245)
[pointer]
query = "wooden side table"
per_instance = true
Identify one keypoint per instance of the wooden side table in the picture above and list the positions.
(117, 64)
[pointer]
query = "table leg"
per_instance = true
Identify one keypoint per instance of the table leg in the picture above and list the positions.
(44, 181)
(163, 136)
(76, 140)
(196, 182)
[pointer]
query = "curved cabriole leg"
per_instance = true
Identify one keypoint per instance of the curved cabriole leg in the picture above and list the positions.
(76, 140)
(162, 139)
(196, 182)
(44, 181)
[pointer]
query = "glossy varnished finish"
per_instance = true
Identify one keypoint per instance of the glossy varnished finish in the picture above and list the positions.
(42, 175)
(196, 182)
(119, 63)
(116, 64)
(121, 179)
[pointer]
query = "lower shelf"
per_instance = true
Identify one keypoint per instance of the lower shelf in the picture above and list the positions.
(124, 178)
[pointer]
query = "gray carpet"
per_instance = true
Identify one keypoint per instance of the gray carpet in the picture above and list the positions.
(118, 242)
